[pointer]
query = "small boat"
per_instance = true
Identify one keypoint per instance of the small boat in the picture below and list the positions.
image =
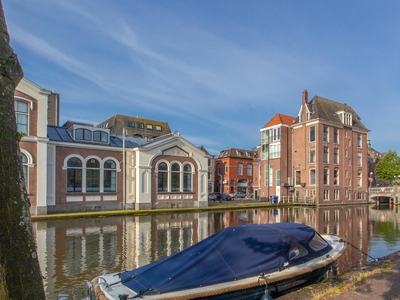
(240, 262)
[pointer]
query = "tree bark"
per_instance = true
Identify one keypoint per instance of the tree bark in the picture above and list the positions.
(20, 276)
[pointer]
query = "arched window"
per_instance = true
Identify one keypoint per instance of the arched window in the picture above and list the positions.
(25, 168)
(21, 115)
(162, 177)
(83, 134)
(110, 176)
(92, 175)
(187, 178)
(74, 175)
(175, 177)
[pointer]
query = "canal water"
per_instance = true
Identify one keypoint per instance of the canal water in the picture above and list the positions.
(74, 250)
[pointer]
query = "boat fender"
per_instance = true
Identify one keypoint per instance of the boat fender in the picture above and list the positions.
(123, 296)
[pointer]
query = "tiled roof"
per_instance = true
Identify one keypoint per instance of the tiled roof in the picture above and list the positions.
(280, 119)
(325, 109)
(240, 153)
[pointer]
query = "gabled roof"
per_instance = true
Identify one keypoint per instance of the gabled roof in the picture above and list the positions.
(325, 109)
(280, 119)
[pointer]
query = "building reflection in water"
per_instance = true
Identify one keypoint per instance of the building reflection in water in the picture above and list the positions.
(72, 251)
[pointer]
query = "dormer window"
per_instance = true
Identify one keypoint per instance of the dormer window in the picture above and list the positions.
(346, 118)
(89, 134)
(158, 128)
(149, 126)
(140, 125)
(83, 134)
(131, 124)
(239, 153)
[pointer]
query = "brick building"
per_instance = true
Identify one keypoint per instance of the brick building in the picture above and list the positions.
(80, 167)
(321, 156)
(234, 171)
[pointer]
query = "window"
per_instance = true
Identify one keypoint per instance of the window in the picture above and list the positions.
(326, 155)
(92, 175)
(312, 176)
(162, 177)
(326, 194)
(336, 177)
(249, 170)
(74, 175)
(336, 194)
(240, 169)
(312, 133)
(336, 156)
(278, 177)
(131, 124)
(24, 160)
(270, 143)
(158, 128)
(187, 178)
(149, 126)
(175, 177)
(100, 136)
(268, 174)
(312, 155)
(335, 135)
(359, 179)
(326, 132)
(219, 169)
(226, 168)
(298, 178)
(83, 134)
(21, 115)
(140, 125)
(359, 159)
(326, 176)
(110, 176)
(359, 140)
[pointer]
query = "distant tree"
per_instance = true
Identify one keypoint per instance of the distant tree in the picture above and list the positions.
(388, 167)
(20, 276)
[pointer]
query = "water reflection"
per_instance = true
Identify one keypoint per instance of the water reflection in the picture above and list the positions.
(72, 251)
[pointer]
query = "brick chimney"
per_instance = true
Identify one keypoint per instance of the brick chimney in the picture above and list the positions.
(305, 97)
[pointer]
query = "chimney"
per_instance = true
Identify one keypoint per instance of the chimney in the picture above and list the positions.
(305, 97)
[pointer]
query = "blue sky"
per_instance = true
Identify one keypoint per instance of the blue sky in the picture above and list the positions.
(216, 70)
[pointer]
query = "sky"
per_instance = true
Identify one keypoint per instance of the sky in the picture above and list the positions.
(216, 70)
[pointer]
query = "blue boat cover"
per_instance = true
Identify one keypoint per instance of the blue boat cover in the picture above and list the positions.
(231, 254)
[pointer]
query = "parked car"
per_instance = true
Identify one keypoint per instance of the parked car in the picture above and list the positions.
(217, 196)
(238, 195)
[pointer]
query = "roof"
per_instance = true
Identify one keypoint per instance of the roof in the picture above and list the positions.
(325, 109)
(280, 119)
(117, 122)
(238, 153)
(60, 134)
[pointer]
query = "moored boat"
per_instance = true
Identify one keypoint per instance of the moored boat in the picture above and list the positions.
(240, 262)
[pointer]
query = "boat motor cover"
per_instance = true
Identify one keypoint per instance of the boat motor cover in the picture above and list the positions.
(233, 253)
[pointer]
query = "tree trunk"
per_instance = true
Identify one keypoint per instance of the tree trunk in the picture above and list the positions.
(20, 276)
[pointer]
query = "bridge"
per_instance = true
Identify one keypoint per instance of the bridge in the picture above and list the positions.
(387, 194)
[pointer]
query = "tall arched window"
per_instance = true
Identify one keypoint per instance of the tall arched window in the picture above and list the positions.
(187, 178)
(92, 175)
(175, 177)
(162, 177)
(25, 169)
(74, 175)
(110, 176)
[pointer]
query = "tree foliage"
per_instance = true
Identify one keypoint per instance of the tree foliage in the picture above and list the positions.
(20, 276)
(388, 167)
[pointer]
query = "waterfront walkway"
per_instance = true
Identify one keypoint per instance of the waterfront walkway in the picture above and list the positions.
(379, 280)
